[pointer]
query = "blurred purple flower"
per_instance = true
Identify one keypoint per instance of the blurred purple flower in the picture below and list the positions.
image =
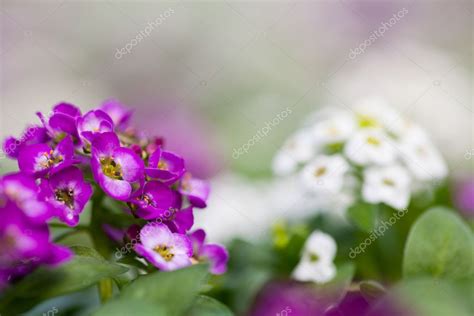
(20, 190)
(184, 132)
(287, 298)
(465, 197)
(196, 190)
(24, 235)
(119, 114)
(67, 193)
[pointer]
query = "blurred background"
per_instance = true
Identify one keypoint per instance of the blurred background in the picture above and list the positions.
(208, 75)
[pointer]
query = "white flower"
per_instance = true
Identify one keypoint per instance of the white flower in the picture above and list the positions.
(421, 157)
(390, 185)
(298, 149)
(325, 174)
(374, 112)
(371, 146)
(334, 130)
(316, 263)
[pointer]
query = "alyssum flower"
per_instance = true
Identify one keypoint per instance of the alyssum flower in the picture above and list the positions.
(57, 163)
(316, 264)
(371, 153)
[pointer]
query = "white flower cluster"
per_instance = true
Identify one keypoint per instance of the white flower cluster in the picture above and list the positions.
(371, 150)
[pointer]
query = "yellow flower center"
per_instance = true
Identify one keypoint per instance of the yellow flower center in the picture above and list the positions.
(389, 182)
(320, 171)
(65, 196)
(373, 141)
(366, 121)
(165, 252)
(111, 169)
(51, 160)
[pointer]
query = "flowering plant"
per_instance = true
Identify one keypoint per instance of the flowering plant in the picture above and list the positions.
(138, 197)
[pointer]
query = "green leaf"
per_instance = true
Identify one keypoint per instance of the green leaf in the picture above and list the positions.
(364, 215)
(425, 297)
(176, 290)
(207, 306)
(440, 245)
(127, 307)
(85, 269)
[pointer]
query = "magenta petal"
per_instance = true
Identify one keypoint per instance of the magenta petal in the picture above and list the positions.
(183, 221)
(59, 255)
(104, 144)
(131, 163)
(118, 189)
(218, 257)
(196, 190)
(67, 108)
(60, 122)
(119, 114)
(198, 237)
(32, 158)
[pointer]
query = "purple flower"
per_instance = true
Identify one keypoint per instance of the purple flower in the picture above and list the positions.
(40, 159)
(25, 245)
(155, 200)
(164, 249)
(20, 191)
(165, 166)
(34, 134)
(62, 121)
(286, 297)
(196, 190)
(68, 193)
(116, 169)
(119, 114)
(465, 197)
(92, 123)
(216, 254)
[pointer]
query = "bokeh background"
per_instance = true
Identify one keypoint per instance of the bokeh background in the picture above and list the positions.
(210, 74)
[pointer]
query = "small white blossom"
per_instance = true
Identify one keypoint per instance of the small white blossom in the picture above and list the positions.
(371, 146)
(421, 157)
(298, 149)
(334, 130)
(325, 174)
(316, 264)
(374, 112)
(390, 185)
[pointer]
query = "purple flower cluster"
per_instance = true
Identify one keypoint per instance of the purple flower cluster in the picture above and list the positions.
(54, 160)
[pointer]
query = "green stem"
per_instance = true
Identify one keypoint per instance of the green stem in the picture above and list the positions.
(99, 238)
(106, 289)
